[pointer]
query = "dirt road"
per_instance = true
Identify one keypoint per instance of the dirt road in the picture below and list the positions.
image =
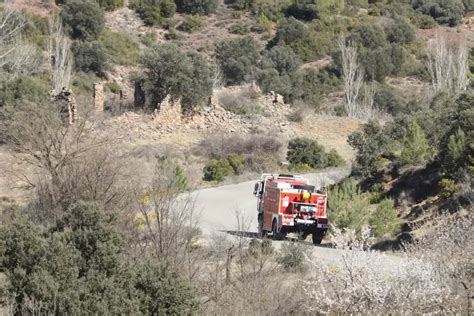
(231, 209)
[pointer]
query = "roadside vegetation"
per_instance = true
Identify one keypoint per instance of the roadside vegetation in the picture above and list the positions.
(101, 234)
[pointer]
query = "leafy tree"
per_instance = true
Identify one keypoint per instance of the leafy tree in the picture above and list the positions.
(297, 36)
(283, 59)
(83, 19)
(304, 151)
(370, 144)
(399, 31)
(89, 57)
(448, 12)
(238, 59)
(415, 146)
(384, 221)
(201, 7)
(185, 76)
(303, 10)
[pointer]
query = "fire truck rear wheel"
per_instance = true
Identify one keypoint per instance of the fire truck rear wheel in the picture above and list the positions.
(318, 238)
(276, 234)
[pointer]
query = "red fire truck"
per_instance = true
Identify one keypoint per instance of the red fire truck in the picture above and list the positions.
(289, 204)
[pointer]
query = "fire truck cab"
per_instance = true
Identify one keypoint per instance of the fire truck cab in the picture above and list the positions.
(289, 204)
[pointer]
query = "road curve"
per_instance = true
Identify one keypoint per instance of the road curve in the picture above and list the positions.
(218, 206)
(230, 209)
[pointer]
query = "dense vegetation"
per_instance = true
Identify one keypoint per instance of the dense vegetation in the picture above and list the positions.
(95, 238)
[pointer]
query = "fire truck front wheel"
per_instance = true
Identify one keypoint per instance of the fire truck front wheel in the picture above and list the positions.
(276, 234)
(262, 233)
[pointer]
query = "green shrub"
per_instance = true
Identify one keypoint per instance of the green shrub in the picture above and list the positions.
(370, 144)
(153, 12)
(274, 10)
(348, 206)
(415, 146)
(399, 31)
(217, 170)
(306, 151)
(120, 48)
(240, 4)
(201, 7)
(111, 5)
(35, 30)
(89, 57)
(423, 21)
(265, 23)
(191, 23)
(238, 59)
(149, 39)
(447, 187)
(448, 12)
(236, 162)
(292, 256)
(283, 59)
(23, 89)
(296, 35)
(168, 71)
(239, 28)
(386, 100)
(384, 221)
(83, 19)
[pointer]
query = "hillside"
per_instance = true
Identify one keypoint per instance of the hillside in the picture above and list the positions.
(113, 112)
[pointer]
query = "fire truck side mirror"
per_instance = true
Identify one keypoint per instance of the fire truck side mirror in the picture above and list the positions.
(257, 190)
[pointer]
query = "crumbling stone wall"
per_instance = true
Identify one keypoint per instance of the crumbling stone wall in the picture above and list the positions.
(99, 97)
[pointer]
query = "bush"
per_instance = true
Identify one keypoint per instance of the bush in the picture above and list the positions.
(387, 101)
(348, 206)
(292, 257)
(384, 221)
(89, 57)
(370, 144)
(239, 28)
(149, 39)
(83, 19)
(448, 12)
(239, 103)
(201, 7)
(191, 23)
(153, 12)
(296, 35)
(399, 31)
(120, 48)
(303, 151)
(238, 59)
(283, 59)
(272, 9)
(423, 21)
(111, 5)
(168, 71)
(415, 146)
(217, 170)
(23, 89)
(447, 187)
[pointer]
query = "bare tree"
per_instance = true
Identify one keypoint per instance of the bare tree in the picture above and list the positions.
(448, 66)
(16, 56)
(60, 56)
(169, 223)
(353, 76)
